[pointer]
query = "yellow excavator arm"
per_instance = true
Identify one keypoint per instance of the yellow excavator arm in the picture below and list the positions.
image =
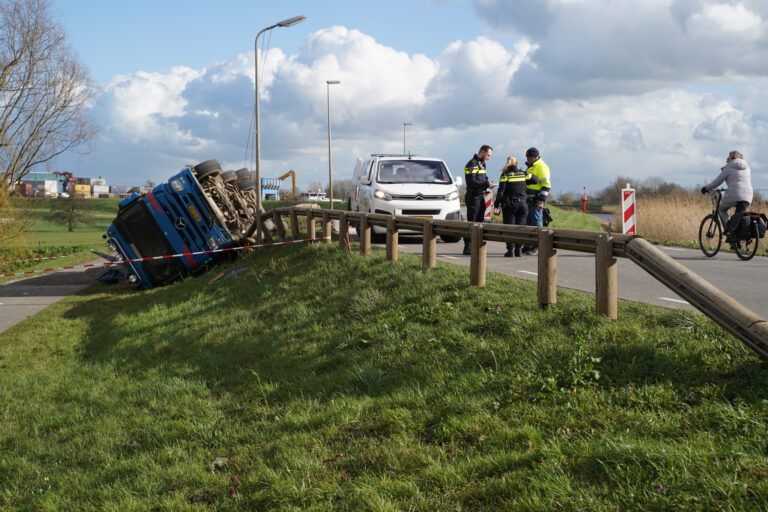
(293, 182)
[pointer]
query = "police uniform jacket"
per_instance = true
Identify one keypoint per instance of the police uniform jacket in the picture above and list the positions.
(477, 179)
(512, 186)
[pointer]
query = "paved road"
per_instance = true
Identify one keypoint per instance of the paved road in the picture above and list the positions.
(742, 280)
(25, 297)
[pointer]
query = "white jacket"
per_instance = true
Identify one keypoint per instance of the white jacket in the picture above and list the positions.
(736, 175)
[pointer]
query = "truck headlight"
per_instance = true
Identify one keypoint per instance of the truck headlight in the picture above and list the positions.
(213, 244)
(177, 185)
(453, 195)
(380, 194)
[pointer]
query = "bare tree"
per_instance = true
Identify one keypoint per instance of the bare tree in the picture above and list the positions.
(44, 91)
(315, 186)
(70, 212)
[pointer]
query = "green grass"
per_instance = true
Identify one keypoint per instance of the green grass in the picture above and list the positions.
(568, 219)
(336, 381)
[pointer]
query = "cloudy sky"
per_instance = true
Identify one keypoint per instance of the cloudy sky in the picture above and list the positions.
(603, 88)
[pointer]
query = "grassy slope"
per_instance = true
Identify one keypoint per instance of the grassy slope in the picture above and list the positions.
(340, 381)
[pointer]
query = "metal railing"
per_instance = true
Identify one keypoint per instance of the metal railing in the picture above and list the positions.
(737, 319)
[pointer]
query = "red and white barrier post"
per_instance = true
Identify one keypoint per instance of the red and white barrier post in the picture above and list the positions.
(584, 201)
(488, 206)
(629, 223)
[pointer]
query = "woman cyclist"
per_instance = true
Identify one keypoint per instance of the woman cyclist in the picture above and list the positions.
(736, 174)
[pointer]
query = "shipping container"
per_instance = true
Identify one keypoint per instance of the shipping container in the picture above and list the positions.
(82, 181)
(99, 189)
(118, 189)
(98, 181)
(82, 191)
(24, 188)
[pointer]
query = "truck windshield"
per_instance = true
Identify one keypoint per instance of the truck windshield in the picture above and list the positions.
(413, 171)
(138, 228)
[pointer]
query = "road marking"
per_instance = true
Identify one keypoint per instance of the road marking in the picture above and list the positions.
(451, 257)
(673, 249)
(526, 272)
(674, 300)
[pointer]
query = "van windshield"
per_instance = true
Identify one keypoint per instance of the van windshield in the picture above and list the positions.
(413, 171)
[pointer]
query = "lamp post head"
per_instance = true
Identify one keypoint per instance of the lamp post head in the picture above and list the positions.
(291, 21)
(332, 82)
(407, 124)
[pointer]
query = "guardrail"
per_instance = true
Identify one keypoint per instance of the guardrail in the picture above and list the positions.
(744, 324)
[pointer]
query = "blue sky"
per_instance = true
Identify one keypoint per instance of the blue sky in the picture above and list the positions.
(602, 87)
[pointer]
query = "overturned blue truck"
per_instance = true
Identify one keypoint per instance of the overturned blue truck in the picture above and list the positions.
(201, 208)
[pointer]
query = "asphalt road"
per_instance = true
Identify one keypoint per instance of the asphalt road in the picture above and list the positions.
(742, 280)
(23, 298)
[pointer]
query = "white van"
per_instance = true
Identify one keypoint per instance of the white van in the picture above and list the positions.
(405, 185)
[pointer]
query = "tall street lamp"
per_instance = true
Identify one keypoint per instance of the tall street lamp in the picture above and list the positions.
(404, 125)
(285, 23)
(328, 84)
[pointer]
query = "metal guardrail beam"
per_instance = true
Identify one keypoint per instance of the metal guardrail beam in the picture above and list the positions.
(735, 318)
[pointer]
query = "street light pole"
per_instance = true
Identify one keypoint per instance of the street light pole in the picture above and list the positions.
(285, 23)
(404, 125)
(328, 84)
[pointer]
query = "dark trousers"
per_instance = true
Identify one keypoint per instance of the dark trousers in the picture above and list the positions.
(515, 213)
(733, 223)
(475, 209)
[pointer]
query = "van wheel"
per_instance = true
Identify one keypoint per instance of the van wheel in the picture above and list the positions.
(450, 239)
(378, 238)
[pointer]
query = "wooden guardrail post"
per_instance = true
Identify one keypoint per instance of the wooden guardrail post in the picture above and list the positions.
(310, 225)
(278, 220)
(547, 268)
(429, 251)
(294, 224)
(326, 228)
(365, 235)
(393, 238)
(606, 272)
(343, 229)
(477, 266)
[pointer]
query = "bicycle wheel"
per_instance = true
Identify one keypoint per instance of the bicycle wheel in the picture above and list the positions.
(710, 235)
(746, 249)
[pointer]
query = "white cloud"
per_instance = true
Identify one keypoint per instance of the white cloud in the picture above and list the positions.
(621, 112)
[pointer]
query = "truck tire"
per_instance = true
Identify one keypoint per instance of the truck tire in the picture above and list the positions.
(450, 239)
(243, 173)
(246, 184)
(207, 168)
(228, 176)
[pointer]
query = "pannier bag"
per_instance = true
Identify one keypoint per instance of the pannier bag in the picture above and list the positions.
(762, 223)
(744, 230)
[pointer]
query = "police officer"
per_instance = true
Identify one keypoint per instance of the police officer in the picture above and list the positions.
(537, 192)
(477, 183)
(512, 199)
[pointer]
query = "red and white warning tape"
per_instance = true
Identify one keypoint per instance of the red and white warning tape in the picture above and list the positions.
(43, 259)
(183, 254)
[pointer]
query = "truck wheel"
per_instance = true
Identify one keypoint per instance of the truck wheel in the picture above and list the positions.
(243, 173)
(228, 176)
(450, 239)
(246, 184)
(207, 168)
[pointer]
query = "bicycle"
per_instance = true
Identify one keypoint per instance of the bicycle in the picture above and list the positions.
(711, 232)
